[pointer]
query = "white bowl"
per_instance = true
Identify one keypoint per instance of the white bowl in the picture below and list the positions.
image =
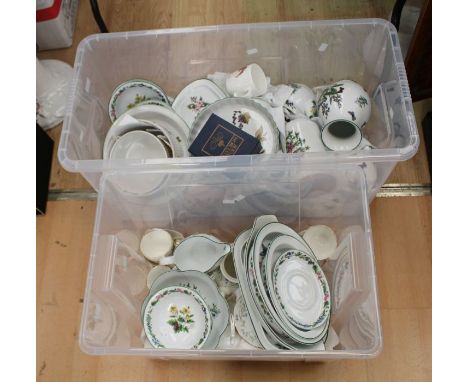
(138, 144)
(177, 318)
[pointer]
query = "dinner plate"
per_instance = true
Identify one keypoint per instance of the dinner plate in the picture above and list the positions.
(245, 114)
(262, 298)
(195, 97)
(267, 337)
(132, 92)
(302, 290)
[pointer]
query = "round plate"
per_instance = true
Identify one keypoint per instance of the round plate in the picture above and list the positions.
(177, 144)
(195, 97)
(302, 289)
(130, 93)
(243, 323)
(245, 114)
(342, 280)
(206, 288)
(177, 318)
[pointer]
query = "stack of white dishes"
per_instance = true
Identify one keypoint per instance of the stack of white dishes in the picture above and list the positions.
(184, 310)
(284, 288)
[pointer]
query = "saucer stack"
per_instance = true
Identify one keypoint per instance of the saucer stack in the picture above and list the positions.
(285, 290)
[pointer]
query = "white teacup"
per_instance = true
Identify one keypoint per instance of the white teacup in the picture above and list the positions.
(156, 244)
(199, 252)
(303, 135)
(300, 103)
(227, 268)
(226, 287)
(250, 81)
(154, 273)
(344, 109)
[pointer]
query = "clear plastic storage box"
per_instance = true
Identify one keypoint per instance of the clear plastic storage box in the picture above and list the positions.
(223, 202)
(311, 52)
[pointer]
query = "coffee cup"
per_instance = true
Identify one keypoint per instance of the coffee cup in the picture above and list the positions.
(250, 81)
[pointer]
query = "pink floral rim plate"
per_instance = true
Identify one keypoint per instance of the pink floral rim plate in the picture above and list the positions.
(195, 97)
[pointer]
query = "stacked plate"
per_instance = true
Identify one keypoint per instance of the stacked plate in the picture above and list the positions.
(184, 310)
(285, 290)
(150, 130)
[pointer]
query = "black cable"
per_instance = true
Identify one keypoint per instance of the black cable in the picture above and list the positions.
(97, 16)
(396, 13)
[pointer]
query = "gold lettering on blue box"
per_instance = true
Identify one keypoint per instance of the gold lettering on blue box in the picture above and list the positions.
(222, 142)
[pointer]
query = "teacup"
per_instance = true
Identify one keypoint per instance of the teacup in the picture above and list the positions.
(278, 95)
(156, 244)
(199, 252)
(154, 273)
(344, 108)
(227, 268)
(303, 135)
(250, 81)
(322, 240)
(226, 288)
(300, 103)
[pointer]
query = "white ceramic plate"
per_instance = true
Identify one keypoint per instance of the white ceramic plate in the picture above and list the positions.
(150, 117)
(177, 318)
(245, 114)
(256, 319)
(161, 115)
(262, 298)
(268, 338)
(195, 97)
(342, 280)
(207, 289)
(302, 289)
(244, 324)
(130, 93)
(177, 143)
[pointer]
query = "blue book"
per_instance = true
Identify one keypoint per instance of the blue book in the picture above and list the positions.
(220, 137)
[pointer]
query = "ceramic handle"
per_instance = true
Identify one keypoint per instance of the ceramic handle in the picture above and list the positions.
(168, 260)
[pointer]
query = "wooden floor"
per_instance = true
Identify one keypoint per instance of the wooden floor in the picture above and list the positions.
(127, 15)
(402, 240)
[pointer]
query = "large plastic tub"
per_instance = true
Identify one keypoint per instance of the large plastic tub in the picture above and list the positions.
(311, 52)
(224, 203)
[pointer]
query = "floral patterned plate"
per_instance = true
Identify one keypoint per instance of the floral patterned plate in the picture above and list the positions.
(262, 291)
(177, 318)
(130, 93)
(244, 324)
(247, 115)
(301, 288)
(206, 288)
(195, 97)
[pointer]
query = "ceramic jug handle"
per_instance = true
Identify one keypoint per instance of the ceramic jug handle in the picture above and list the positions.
(167, 260)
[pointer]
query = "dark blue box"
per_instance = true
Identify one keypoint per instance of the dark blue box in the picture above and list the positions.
(219, 137)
